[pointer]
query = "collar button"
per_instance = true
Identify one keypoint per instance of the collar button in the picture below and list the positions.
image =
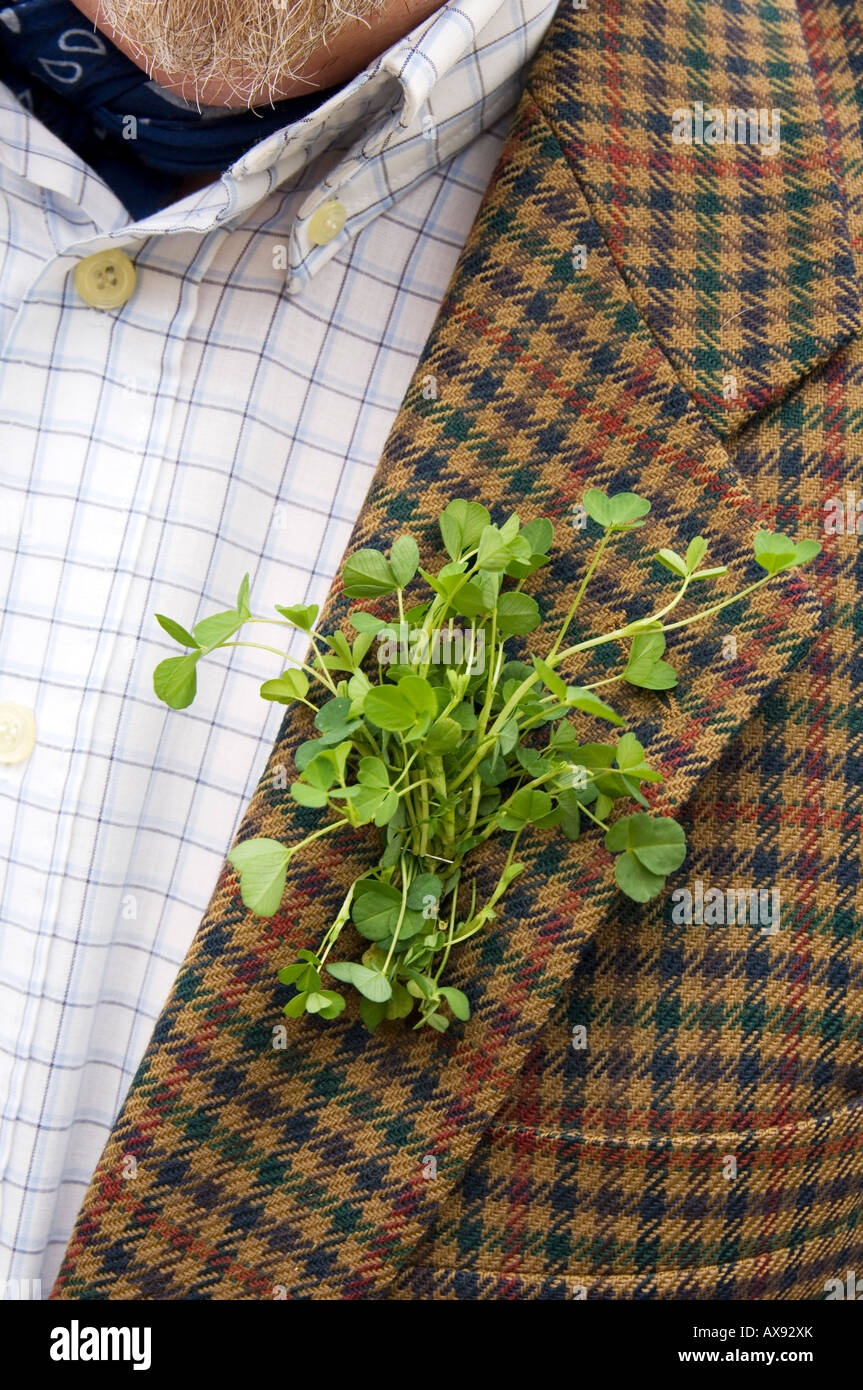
(326, 222)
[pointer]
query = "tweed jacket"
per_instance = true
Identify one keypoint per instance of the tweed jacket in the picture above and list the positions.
(640, 1107)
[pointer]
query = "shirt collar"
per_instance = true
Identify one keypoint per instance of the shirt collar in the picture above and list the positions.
(414, 107)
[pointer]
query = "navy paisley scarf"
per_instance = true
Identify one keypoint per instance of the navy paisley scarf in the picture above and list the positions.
(142, 140)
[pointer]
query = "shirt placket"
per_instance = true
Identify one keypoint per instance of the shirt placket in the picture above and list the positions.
(146, 416)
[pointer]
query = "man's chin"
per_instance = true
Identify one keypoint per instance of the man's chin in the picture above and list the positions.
(308, 46)
(305, 47)
(238, 90)
(242, 89)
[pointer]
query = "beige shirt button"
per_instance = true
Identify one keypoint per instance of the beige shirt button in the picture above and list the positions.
(326, 222)
(105, 280)
(17, 733)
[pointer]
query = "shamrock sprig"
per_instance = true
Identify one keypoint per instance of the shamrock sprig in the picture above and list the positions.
(428, 729)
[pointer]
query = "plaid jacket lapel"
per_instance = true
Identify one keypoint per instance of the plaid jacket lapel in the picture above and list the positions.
(306, 1171)
(740, 260)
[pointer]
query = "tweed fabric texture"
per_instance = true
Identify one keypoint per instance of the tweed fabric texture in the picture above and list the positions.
(304, 1172)
(739, 260)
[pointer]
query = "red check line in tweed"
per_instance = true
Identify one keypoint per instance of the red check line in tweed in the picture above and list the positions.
(811, 816)
(725, 165)
(813, 32)
(181, 1239)
(778, 1161)
(751, 399)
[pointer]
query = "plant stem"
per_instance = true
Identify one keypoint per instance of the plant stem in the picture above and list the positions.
(581, 588)
(424, 816)
(632, 628)
(324, 675)
(342, 916)
(629, 630)
(402, 910)
(476, 797)
(437, 778)
(317, 834)
(259, 647)
(450, 931)
(285, 656)
(495, 897)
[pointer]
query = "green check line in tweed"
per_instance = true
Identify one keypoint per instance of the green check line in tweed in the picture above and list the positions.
(305, 1172)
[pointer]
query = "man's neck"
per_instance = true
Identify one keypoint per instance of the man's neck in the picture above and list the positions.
(352, 49)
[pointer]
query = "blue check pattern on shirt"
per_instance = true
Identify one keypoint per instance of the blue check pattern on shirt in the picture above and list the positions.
(228, 418)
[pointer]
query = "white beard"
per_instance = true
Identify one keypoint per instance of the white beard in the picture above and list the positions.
(249, 44)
